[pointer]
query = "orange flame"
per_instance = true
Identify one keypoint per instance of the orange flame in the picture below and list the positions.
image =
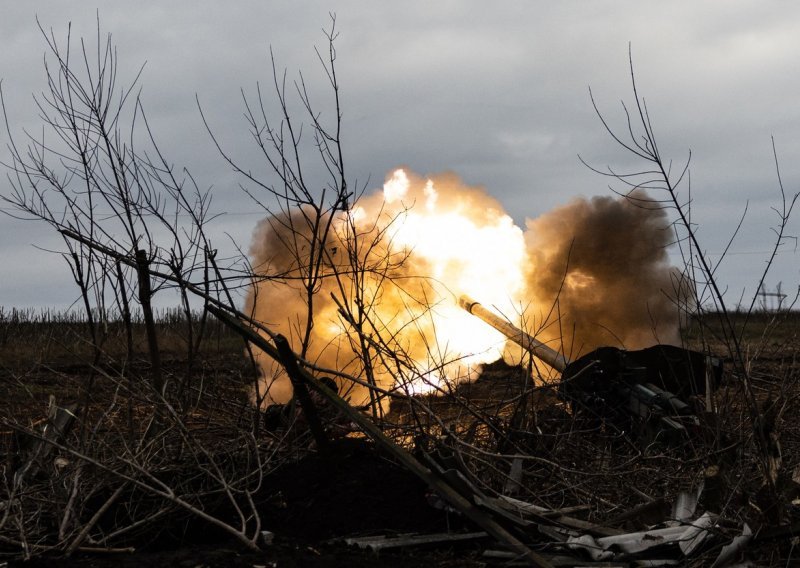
(400, 258)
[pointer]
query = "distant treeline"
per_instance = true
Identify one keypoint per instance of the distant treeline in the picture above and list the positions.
(21, 326)
(166, 316)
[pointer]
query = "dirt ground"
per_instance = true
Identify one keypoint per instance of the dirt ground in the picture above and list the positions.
(310, 506)
(283, 554)
(314, 501)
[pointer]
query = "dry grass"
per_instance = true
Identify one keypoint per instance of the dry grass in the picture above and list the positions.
(568, 460)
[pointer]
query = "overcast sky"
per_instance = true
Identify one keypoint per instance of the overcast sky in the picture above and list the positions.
(496, 92)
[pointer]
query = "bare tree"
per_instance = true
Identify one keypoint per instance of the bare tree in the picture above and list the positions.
(700, 273)
(133, 227)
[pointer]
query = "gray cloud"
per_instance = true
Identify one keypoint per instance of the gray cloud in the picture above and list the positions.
(496, 93)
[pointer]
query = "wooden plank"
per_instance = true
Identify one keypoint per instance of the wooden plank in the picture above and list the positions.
(542, 516)
(378, 543)
(556, 560)
(525, 507)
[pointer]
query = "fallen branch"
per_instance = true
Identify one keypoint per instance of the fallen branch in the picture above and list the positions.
(453, 497)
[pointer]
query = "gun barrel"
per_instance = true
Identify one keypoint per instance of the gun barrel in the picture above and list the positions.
(526, 341)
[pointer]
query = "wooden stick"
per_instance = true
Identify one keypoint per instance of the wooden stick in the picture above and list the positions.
(289, 361)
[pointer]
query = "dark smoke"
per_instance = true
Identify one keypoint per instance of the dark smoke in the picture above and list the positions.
(596, 273)
(601, 264)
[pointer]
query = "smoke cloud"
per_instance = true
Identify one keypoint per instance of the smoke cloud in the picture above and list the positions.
(594, 272)
(600, 271)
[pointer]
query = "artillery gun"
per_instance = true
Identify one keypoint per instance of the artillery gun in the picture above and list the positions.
(650, 386)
